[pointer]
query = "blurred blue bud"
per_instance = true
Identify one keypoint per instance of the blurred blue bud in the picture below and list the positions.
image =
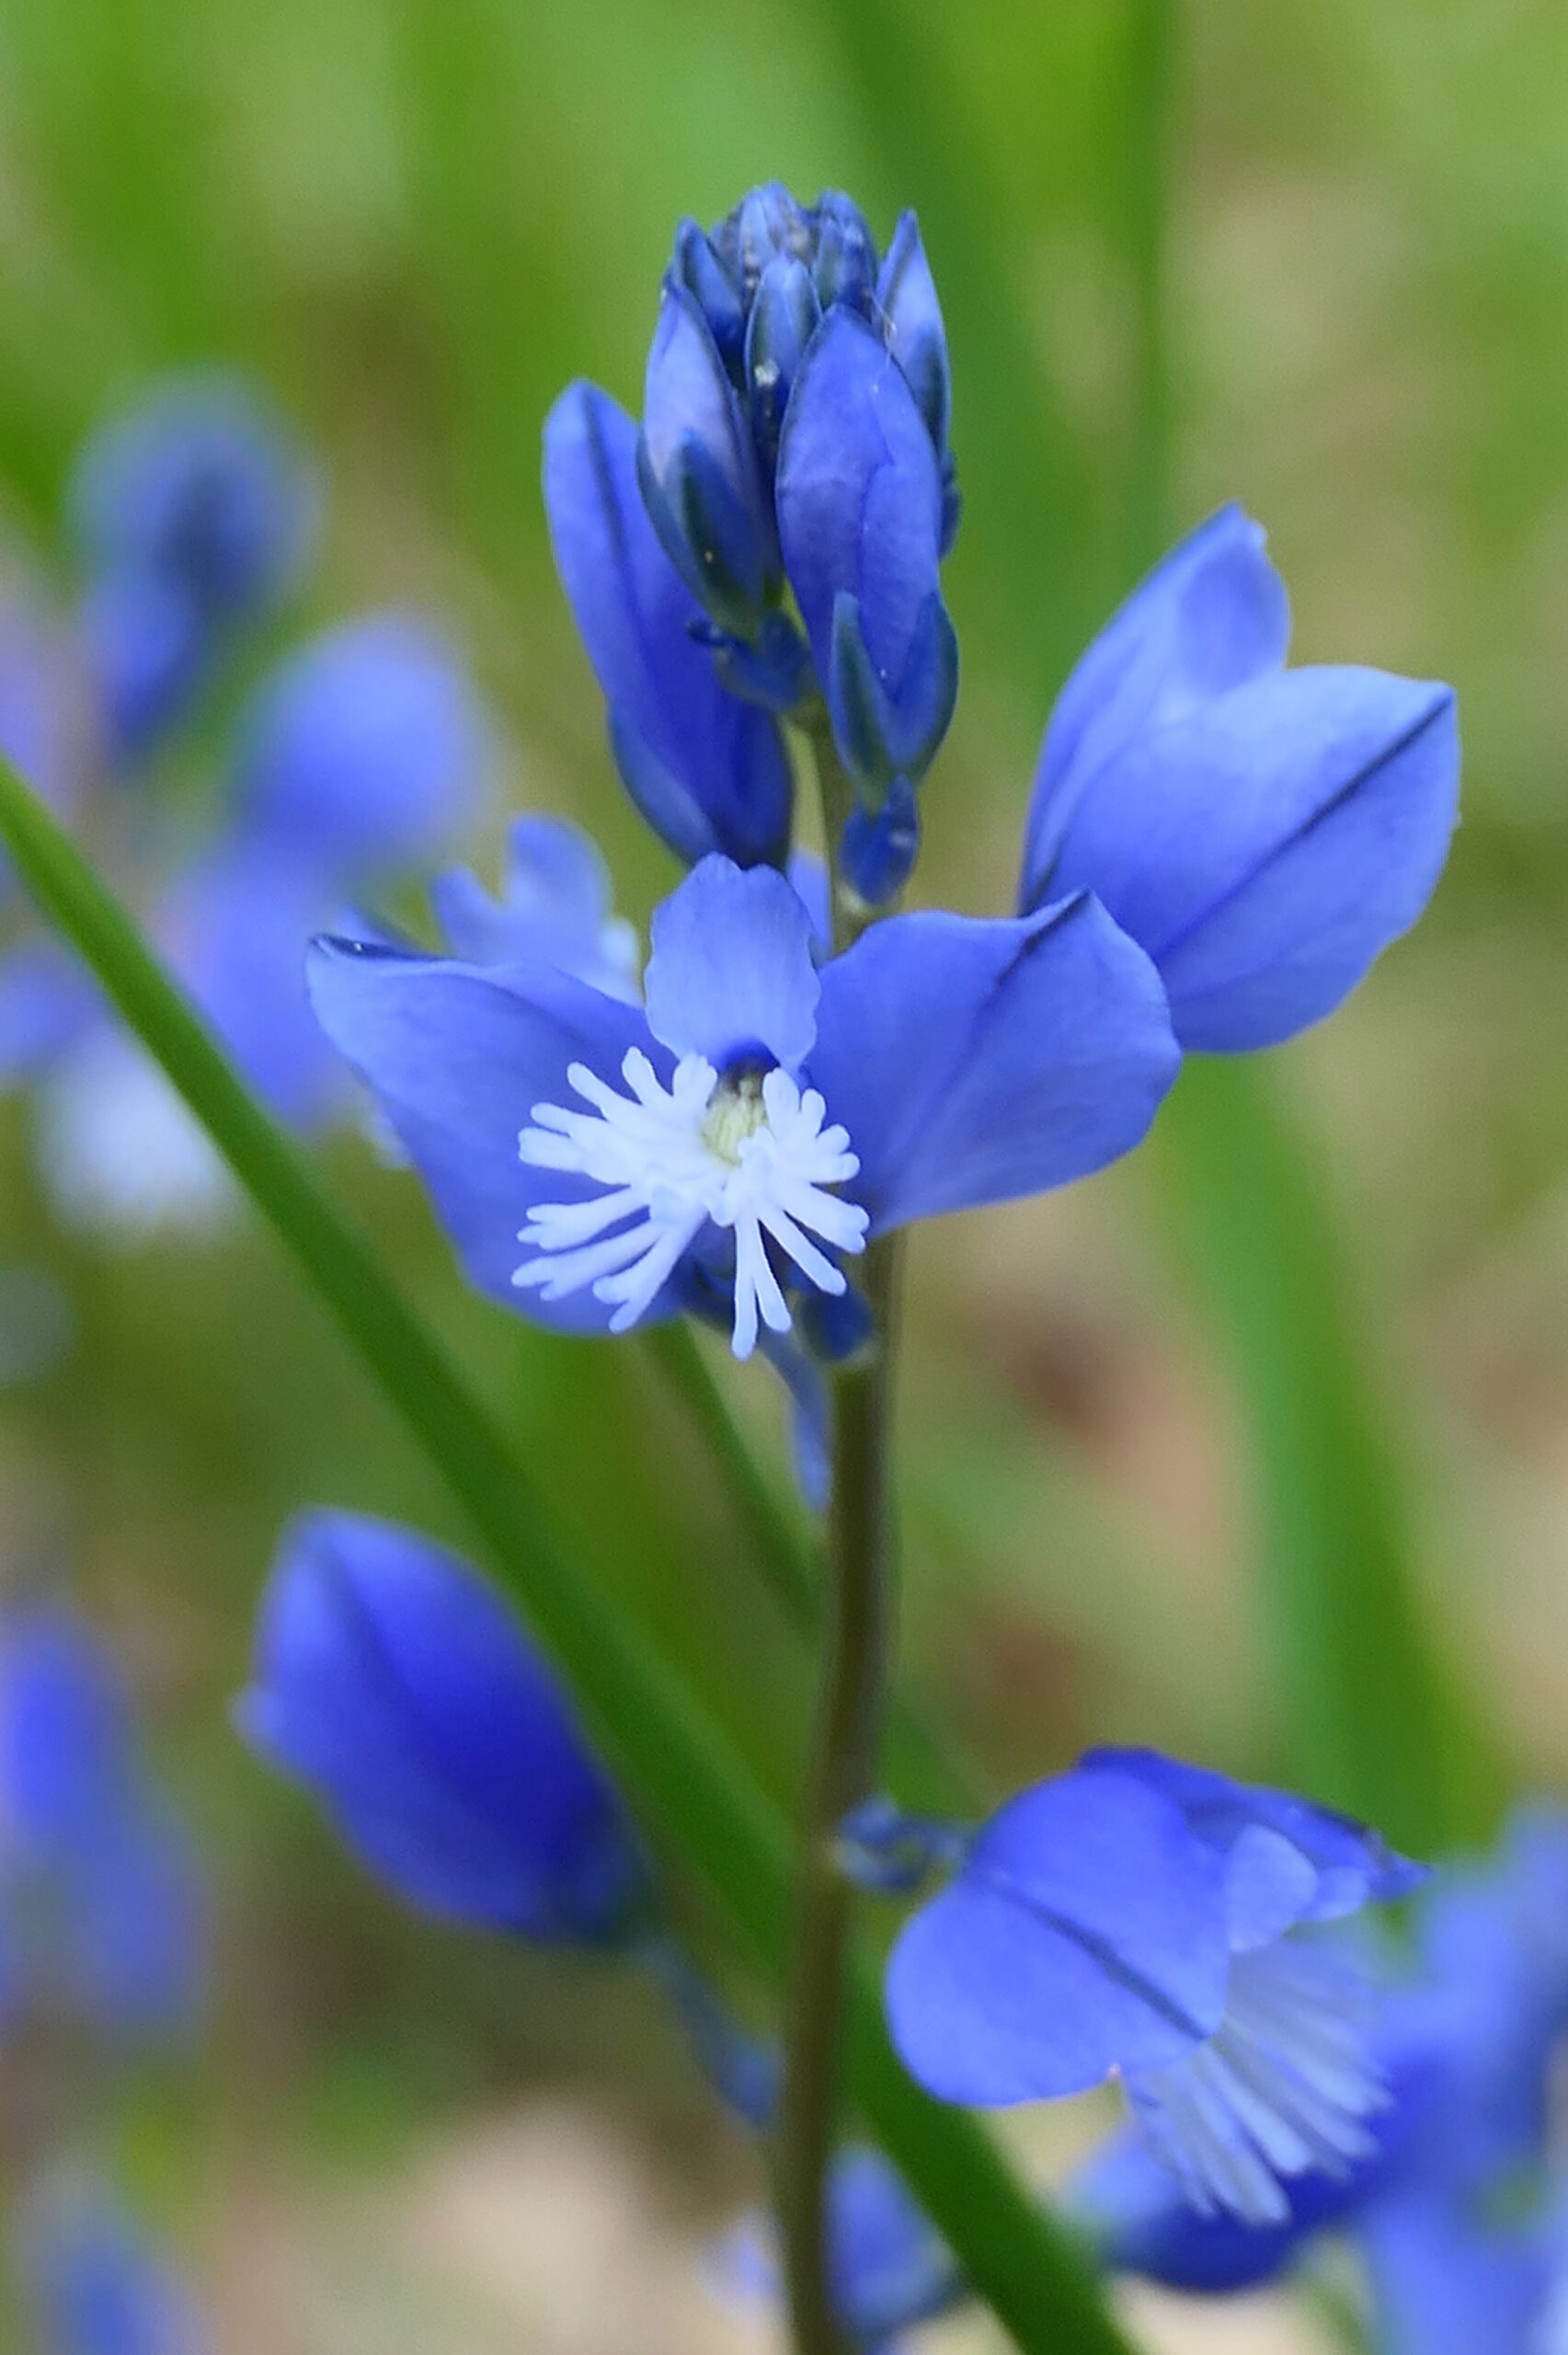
(192, 512)
(94, 2285)
(697, 467)
(365, 751)
(393, 1681)
(888, 2267)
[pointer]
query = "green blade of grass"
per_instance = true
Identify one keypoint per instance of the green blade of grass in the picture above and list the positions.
(700, 1800)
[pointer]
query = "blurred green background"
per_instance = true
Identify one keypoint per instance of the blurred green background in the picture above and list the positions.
(1256, 1448)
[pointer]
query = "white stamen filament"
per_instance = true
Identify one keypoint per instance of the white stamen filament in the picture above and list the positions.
(750, 1153)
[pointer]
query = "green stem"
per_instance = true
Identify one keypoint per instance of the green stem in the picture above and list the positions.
(654, 1727)
(854, 1681)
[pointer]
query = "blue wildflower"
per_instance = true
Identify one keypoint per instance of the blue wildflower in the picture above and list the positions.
(759, 1120)
(555, 909)
(1263, 832)
(392, 1681)
(1152, 1921)
(192, 513)
(99, 1910)
(94, 2285)
(794, 436)
(888, 2267)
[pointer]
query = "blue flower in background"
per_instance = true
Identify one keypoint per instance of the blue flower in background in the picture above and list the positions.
(1157, 1923)
(761, 1119)
(392, 1681)
(794, 437)
(99, 1913)
(94, 2285)
(1263, 832)
(555, 909)
(1453, 2212)
(192, 513)
(889, 2268)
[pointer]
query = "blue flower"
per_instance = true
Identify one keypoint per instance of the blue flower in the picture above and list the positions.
(1263, 832)
(760, 1119)
(94, 2285)
(795, 434)
(888, 2267)
(555, 908)
(1450, 2210)
(392, 1681)
(1152, 1921)
(99, 1910)
(192, 513)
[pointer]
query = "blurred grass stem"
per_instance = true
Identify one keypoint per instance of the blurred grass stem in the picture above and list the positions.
(855, 1669)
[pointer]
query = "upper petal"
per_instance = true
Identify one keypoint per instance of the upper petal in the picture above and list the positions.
(973, 1061)
(556, 905)
(1084, 1934)
(731, 968)
(457, 1057)
(719, 778)
(1211, 615)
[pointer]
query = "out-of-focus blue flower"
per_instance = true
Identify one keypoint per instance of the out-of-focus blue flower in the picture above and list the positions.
(1263, 832)
(364, 753)
(759, 1119)
(392, 1681)
(888, 2267)
(555, 908)
(99, 1910)
(708, 771)
(45, 718)
(793, 435)
(192, 513)
(1152, 1921)
(93, 2283)
(1451, 2212)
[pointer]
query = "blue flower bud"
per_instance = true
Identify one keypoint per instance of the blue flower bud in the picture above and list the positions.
(767, 222)
(784, 320)
(698, 471)
(880, 846)
(845, 268)
(391, 1680)
(910, 317)
(712, 287)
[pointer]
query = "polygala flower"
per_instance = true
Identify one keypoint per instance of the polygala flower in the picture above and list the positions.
(745, 1133)
(1145, 1920)
(391, 1680)
(1263, 832)
(793, 444)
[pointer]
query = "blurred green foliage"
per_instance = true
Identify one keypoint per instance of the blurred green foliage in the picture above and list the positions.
(1258, 1447)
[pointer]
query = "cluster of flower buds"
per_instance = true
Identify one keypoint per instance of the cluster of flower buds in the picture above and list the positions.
(793, 453)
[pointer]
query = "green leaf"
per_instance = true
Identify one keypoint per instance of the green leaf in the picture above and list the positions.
(696, 1795)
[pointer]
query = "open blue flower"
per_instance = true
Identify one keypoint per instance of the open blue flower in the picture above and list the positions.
(1157, 1923)
(391, 1680)
(1452, 2210)
(1263, 832)
(760, 1119)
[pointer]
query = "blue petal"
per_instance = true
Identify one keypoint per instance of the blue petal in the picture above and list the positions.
(1266, 849)
(698, 470)
(1139, 2221)
(47, 1002)
(556, 907)
(731, 969)
(910, 317)
(1355, 1865)
(65, 1754)
(860, 512)
(888, 2267)
(708, 772)
(93, 2284)
(366, 751)
(133, 1922)
(1085, 1934)
(391, 1680)
(147, 645)
(1445, 2284)
(1212, 615)
(457, 1057)
(974, 1061)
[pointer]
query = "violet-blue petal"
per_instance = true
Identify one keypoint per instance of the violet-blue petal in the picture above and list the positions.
(1266, 849)
(1443, 2282)
(730, 971)
(47, 1002)
(366, 750)
(146, 643)
(860, 517)
(457, 1056)
(911, 318)
(973, 1061)
(888, 2267)
(709, 773)
(393, 1681)
(1211, 615)
(697, 469)
(1356, 1866)
(132, 1923)
(1084, 1934)
(556, 905)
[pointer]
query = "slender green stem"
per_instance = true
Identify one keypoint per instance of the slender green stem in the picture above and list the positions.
(854, 1681)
